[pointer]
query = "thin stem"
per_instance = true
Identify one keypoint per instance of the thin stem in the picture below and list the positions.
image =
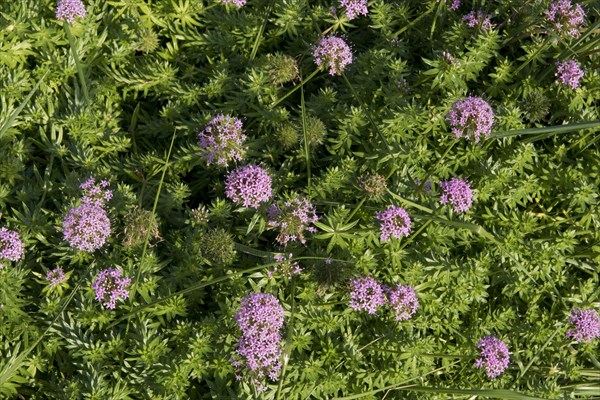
(413, 22)
(358, 206)
(530, 59)
(524, 371)
(261, 30)
(12, 366)
(414, 235)
(306, 144)
(298, 86)
(149, 229)
(152, 216)
(16, 113)
(367, 112)
(288, 346)
(430, 171)
(77, 63)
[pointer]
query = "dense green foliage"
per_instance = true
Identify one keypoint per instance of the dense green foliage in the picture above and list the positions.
(155, 73)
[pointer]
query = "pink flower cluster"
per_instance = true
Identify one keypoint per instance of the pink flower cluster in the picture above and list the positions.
(87, 226)
(292, 220)
(586, 325)
(494, 356)
(354, 8)
(249, 185)
(55, 276)
(471, 117)
(67, 10)
(222, 139)
(457, 192)
(569, 73)
(237, 3)
(110, 287)
(332, 52)
(11, 247)
(95, 194)
(478, 20)
(395, 223)
(286, 267)
(455, 5)
(367, 294)
(567, 19)
(403, 301)
(260, 319)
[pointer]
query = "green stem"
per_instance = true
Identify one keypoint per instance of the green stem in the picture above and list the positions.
(367, 112)
(288, 346)
(152, 216)
(261, 30)
(295, 88)
(530, 59)
(149, 230)
(12, 366)
(549, 130)
(413, 22)
(355, 210)
(414, 235)
(77, 63)
(306, 144)
(16, 113)
(524, 371)
(422, 183)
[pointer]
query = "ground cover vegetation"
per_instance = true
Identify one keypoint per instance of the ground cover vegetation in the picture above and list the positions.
(293, 199)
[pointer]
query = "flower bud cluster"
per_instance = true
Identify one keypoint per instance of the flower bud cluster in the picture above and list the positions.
(260, 318)
(292, 220)
(494, 356)
(87, 226)
(367, 294)
(395, 223)
(11, 247)
(110, 287)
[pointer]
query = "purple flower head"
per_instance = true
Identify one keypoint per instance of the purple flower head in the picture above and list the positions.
(292, 220)
(86, 227)
(332, 52)
(260, 319)
(11, 247)
(366, 295)
(238, 3)
(478, 20)
(56, 276)
(403, 301)
(354, 8)
(471, 117)
(586, 325)
(95, 194)
(395, 222)
(567, 19)
(493, 356)
(286, 267)
(455, 5)
(569, 73)
(249, 185)
(223, 139)
(259, 313)
(458, 193)
(110, 287)
(67, 10)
